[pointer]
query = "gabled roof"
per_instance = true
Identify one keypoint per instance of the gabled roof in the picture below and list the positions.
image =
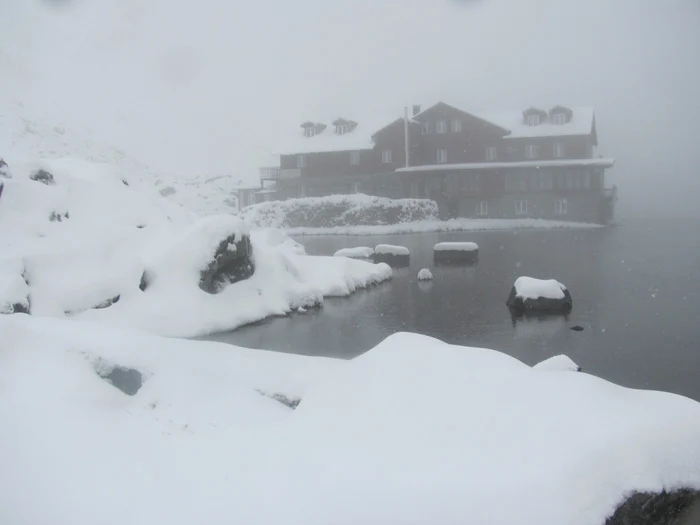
(442, 105)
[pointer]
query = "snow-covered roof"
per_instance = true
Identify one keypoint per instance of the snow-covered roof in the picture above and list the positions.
(600, 163)
(327, 140)
(581, 123)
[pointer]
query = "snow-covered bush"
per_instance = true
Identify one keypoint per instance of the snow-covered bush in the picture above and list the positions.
(338, 210)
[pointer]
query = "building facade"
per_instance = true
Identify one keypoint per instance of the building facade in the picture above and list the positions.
(535, 163)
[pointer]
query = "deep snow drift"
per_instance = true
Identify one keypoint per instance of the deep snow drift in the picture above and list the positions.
(89, 246)
(444, 434)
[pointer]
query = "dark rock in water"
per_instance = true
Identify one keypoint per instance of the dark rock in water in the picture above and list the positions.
(393, 260)
(107, 303)
(128, 380)
(232, 262)
(43, 176)
(539, 305)
(680, 507)
(448, 258)
(577, 328)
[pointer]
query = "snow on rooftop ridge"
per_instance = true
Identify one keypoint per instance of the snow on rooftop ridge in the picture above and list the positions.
(531, 288)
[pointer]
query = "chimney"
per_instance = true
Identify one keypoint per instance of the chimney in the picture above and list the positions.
(416, 109)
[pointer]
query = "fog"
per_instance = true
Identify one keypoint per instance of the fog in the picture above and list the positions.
(215, 86)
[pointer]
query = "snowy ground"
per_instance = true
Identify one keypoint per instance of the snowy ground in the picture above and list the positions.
(415, 431)
(452, 225)
(89, 237)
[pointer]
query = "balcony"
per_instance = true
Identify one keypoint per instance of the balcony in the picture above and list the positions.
(279, 174)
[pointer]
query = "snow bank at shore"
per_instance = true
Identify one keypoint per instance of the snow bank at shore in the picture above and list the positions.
(86, 244)
(338, 211)
(466, 435)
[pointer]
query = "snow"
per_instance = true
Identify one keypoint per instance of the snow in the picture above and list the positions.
(466, 435)
(390, 249)
(359, 252)
(558, 363)
(359, 138)
(337, 210)
(452, 225)
(530, 288)
(13, 291)
(581, 123)
(456, 247)
(113, 234)
(425, 275)
(599, 162)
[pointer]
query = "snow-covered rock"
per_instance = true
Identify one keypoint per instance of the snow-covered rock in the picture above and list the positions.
(390, 249)
(425, 275)
(455, 252)
(359, 252)
(14, 294)
(126, 256)
(558, 362)
(338, 210)
(538, 295)
(467, 435)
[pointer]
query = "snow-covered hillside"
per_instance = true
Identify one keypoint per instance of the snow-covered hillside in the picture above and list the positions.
(91, 246)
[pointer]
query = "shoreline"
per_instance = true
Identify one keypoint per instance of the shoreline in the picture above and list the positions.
(451, 225)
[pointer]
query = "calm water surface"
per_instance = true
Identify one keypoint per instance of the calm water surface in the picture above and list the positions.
(635, 290)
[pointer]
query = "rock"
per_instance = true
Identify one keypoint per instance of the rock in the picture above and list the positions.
(455, 253)
(58, 217)
(14, 294)
(124, 182)
(128, 380)
(232, 262)
(530, 295)
(286, 401)
(107, 303)
(146, 279)
(43, 176)
(577, 328)
(4, 170)
(679, 507)
(425, 275)
(394, 256)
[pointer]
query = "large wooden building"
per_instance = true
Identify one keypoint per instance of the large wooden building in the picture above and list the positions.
(538, 163)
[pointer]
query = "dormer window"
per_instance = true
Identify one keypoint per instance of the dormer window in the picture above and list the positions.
(343, 126)
(532, 120)
(560, 115)
(312, 129)
(534, 116)
(309, 132)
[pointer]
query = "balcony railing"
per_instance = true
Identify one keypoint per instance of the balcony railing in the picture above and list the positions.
(269, 173)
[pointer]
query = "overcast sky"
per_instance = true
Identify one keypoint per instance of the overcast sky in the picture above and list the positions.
(215, 85)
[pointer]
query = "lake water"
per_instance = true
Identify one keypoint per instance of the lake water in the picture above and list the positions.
(635, 291)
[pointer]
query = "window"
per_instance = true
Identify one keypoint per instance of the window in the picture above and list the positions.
(516, 182)
(310, 131)
(561, 207)
(521, 207)
(471, 183)
(456, 125)
(559, 118)
(441, 155)
(442, 126)
(558, 149)
(491, 153)
(354, 158)
(341, 129)
(531, 151)
(482, 209)
(569, 180)
(587, 180)
(387, 157)
(426, 128)
(532, 120)
(301, 161)
(546, 180)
